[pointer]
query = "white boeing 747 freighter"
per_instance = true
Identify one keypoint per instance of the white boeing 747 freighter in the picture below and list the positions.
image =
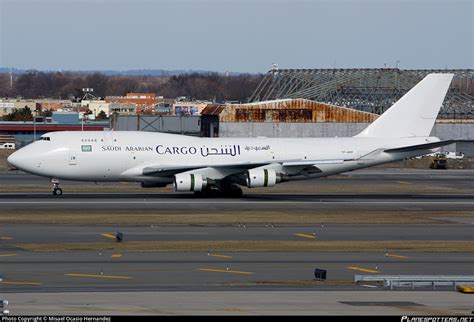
(219, 166)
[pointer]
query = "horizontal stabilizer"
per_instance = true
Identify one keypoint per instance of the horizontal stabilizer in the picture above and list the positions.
(425, 146)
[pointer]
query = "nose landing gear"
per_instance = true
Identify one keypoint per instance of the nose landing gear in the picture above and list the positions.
(57, 191)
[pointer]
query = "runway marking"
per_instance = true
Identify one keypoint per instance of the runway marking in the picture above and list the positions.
(6, 238)
(369, 286)
(306, 236)
(246, 202)
(116, 255)
(220, 256)
(223, 271)
(97, 276)
(8, 255)
(233, 310)
(108, 236)
(404, 182)
(21, 283)
(361, 269)
(396, 256)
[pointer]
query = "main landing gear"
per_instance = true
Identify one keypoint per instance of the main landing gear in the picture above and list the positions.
(225, 191)
(57, 191)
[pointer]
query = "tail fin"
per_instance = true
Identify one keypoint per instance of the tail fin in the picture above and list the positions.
(415, 113)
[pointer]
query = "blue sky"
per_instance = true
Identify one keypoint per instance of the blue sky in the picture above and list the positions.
(238, 36)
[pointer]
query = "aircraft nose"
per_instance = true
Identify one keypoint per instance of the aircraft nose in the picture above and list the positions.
(20, 159)
(13, 159)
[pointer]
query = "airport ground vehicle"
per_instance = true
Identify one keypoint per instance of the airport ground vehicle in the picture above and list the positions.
(439, 162)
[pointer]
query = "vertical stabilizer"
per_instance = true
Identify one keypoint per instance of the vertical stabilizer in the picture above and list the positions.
(415, 113)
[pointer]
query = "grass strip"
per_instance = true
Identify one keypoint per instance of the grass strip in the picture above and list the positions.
(256, 246)
(154, 217)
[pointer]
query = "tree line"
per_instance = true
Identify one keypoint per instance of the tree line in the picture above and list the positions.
(67, 85)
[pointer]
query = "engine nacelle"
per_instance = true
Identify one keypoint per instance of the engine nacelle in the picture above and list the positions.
(261, 178)
(189, 182)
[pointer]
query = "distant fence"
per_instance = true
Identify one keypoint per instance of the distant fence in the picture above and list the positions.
(414, 281)
(189, 125)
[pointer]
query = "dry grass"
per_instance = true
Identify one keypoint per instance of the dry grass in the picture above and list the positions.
(154, 217)
(256, 246)
(3, 159)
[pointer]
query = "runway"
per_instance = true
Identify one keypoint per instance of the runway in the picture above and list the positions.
(254, 202)
(106, 271)
(373, 206)
(328, 232)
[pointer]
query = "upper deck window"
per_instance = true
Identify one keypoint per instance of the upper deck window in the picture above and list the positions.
(45, 138)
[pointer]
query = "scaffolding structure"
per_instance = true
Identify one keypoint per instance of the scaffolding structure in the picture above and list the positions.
(369, 90)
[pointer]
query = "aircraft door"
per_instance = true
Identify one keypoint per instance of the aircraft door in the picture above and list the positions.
(72, 158)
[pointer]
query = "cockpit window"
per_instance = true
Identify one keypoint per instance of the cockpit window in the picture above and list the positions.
(45, 138)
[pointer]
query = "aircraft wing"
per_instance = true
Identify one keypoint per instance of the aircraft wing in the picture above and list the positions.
(165, 171)
(236, 168)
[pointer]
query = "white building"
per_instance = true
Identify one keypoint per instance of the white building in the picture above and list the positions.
(96, 106)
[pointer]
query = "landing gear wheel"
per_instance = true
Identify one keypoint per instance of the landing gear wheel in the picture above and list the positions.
(205, 193)
(232, 193)
(57, 191)
(224, 192)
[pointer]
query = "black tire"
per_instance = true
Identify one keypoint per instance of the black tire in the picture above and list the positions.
(57, 191)
(231, 193)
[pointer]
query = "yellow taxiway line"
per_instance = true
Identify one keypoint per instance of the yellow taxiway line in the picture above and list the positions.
(404, 182)
(220, 256)
(223, 271)
(21, 283)
(305, 235)
(396, 256)
(7, 255)
(108, 236)
(116, 255)
(361, 269)
(97, 276)
(5, 238)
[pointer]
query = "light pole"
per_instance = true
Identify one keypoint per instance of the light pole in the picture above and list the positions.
(34, 124)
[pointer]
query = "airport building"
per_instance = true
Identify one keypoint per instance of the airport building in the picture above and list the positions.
(22, 133)
(96, 106)
(144, 102)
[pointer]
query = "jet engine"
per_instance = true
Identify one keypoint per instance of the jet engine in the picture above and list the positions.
(189, 182)
(261, 178)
